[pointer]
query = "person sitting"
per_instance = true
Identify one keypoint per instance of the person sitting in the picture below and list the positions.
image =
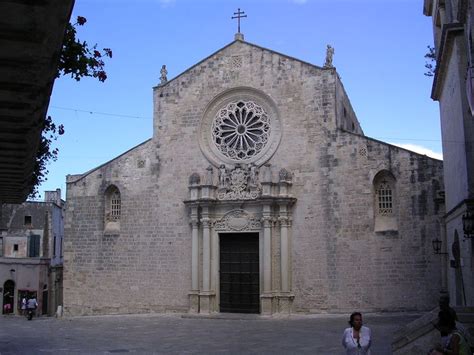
(452, 340)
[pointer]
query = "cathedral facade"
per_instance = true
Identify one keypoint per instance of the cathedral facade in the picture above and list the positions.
(258, 193)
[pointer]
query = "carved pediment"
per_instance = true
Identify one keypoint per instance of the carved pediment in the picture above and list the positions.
(237, 220)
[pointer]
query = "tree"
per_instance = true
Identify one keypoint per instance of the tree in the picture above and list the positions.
(79, 60)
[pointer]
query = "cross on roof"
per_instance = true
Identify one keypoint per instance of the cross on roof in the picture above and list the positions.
(240, 14)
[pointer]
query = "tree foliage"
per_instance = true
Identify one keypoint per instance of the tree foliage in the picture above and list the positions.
(45, 153)
(430, 63)
(79, 60)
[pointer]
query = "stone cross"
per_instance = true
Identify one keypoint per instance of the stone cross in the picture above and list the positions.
(240, 14)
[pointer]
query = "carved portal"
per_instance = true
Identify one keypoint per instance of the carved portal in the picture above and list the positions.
(238, 202)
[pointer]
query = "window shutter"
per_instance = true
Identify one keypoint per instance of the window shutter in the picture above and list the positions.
(34, 246)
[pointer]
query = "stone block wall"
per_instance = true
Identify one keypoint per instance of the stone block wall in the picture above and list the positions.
(341, 262)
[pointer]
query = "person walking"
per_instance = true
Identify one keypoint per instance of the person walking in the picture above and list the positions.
(357, 339)
(23, 306)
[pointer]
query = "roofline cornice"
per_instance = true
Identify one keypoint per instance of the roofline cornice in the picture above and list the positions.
(427, 7)
(389, 145)
(450, 31)
(82, 176)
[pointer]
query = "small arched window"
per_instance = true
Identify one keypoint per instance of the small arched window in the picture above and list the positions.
(385, 203)
(113, 208)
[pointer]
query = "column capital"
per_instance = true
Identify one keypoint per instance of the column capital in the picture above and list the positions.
(284, 221)
(206, 222)
(266, 221)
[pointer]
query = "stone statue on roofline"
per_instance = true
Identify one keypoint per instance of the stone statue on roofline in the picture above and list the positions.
(163, 72)
(329, 56)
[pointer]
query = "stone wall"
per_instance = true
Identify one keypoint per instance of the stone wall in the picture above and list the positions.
(345, 265)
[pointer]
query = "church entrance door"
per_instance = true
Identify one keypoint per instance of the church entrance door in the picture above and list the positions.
(239, 273)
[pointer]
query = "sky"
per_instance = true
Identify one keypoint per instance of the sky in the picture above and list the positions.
(379, 55)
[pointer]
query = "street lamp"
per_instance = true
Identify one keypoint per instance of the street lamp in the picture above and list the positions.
(437, 246)
(468, 224)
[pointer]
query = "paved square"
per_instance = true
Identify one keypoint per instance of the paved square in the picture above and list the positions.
(182, 334)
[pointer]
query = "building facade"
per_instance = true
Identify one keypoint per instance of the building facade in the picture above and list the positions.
(257, 193)
(31, 238)
(453, 88)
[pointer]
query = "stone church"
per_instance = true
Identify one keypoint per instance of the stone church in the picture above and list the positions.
(258, 193)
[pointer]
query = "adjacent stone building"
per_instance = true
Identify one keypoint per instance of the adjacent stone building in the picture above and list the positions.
(453, 88)
(31, 239)
(258, 193)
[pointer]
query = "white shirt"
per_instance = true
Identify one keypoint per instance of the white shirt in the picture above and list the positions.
(350, 343)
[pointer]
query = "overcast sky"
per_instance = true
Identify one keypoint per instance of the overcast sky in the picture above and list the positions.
(379, 54)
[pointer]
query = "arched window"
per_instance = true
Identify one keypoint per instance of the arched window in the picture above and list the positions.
(385, 203)
(113, 208)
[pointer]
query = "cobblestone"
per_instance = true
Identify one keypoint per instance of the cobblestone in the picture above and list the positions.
(184, 334)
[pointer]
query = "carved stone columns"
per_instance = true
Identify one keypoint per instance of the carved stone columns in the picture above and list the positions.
(205, 294)
(194, 294)
(284, 253)
(266, 306)
(285, 299)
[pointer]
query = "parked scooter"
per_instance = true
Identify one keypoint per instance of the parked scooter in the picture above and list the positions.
(31, 306)
(29, 314)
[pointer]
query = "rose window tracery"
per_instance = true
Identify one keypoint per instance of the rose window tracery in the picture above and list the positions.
(241, 130)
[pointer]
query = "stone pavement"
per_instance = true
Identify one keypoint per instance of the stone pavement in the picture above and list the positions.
(184, 334)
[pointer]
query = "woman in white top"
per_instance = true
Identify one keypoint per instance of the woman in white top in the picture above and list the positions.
(356, 339)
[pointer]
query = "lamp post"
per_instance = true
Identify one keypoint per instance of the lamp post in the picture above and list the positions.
(468, 224)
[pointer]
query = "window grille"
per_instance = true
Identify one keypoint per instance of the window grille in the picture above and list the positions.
(115, 206)
(385, 199)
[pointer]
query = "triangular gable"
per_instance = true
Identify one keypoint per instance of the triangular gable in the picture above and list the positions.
(229, 45)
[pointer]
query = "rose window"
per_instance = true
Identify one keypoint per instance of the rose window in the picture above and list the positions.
(241, 130)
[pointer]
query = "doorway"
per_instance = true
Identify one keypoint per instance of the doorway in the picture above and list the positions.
(8, 296)
(239, 273)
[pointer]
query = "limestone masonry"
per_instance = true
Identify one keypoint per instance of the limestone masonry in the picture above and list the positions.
(257, 193)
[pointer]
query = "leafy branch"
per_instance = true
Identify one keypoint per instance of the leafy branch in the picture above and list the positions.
(430, 63)
(80, 60)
